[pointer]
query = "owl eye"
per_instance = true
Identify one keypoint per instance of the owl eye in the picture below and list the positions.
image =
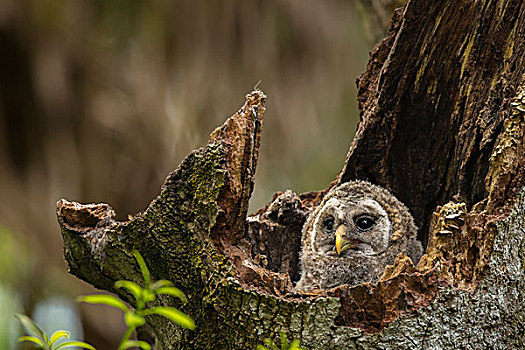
(328, 223)
(365, 222)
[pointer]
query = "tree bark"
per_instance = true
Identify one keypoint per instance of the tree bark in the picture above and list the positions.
(442, 125)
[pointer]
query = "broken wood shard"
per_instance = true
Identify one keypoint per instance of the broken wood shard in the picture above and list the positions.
(203, 201)
(84, 217)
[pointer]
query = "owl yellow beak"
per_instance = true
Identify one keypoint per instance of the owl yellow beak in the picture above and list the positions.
(342, 243)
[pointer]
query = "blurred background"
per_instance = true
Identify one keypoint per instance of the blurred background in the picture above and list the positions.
(100, 99)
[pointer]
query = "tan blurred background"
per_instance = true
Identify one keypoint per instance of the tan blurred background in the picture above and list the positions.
(100, 99)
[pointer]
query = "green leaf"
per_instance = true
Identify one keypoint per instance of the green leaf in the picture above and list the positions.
(295, 345)
(133, 320)
(137, 343)
(173, 314)
(76, 343)
(161, 283)
(31, 339)
(31, 327)
(149, 296)
(105, 299)
(143, 268)
(174, 292)
(284, 341)
(57, 335)
(134, 288)
(260, 347)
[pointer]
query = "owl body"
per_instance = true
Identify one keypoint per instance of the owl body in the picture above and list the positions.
(356, 231)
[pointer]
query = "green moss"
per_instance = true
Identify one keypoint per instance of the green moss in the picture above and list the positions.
(509, 43)
(466, 53)
(421, 70)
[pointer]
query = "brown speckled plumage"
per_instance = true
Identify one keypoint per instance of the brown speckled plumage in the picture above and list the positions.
(393, 232)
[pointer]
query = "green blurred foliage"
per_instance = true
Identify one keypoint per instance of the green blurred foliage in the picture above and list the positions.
(14, 258)
(14, 270)
(9, 330)
(41, 340)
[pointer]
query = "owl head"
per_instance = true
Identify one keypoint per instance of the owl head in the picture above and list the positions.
(356, 231)
(351, 224)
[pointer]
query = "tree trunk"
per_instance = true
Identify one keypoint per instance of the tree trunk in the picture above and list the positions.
(442, 125)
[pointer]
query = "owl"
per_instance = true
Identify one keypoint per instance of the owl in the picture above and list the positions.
(355, 232)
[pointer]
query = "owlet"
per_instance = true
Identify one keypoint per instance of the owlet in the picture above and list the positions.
(356, 231)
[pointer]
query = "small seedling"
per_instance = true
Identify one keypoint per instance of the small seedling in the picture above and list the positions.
(270, 345)
(136, 318)
(42, 341)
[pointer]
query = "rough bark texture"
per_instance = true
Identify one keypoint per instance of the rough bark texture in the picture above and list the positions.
(442, 126)
(434, 99)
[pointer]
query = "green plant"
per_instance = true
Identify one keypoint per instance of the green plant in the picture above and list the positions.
(270, 345)
(136, 318)
(42, 341)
